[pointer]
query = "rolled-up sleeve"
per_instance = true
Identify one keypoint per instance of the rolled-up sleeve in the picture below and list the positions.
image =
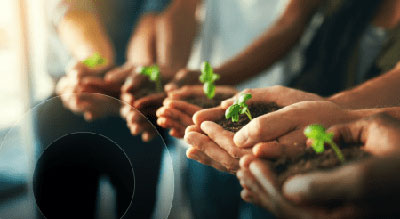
(155, 5)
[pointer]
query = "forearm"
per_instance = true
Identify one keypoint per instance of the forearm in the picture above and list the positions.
(176, 29)
(142, 48)
(83, 34)
(270, 47)
(379, 92)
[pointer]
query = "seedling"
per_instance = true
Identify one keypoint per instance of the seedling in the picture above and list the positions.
(208, 78)
(153, 73)
(239, 107)
(94, 60)
(318, 136)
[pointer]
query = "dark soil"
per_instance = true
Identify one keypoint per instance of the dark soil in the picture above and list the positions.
(256, 109)
(310, 161)
(148, 88)
(205, 103)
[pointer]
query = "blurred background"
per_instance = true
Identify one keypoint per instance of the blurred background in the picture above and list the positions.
(23, 81)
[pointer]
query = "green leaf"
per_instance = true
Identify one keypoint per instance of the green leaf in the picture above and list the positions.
(318, 146)
(214, 77)
(243, 110)
(153, 72)
(206, 68)
(94, 60)
(209, 90)
(244, 97)
(232, 110)
(235, 118)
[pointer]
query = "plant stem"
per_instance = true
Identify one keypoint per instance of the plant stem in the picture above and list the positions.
(248, 114)
(337, 150)
(158, 85)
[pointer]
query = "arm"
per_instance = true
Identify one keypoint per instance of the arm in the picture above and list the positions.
(378, 92)
(142, 47)
(271, 46)
(82, 32)
(176, 30)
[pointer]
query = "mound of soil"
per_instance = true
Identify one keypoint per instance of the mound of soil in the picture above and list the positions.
(310, 161)
(148, 88)
(256, 109)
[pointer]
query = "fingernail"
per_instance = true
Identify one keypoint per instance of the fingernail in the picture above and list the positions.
(239, 139)
(295, 188)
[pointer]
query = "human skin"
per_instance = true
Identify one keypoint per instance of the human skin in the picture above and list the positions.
(176, 113)
(368, 188)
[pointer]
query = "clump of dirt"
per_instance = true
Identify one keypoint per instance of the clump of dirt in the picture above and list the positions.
(256, 109)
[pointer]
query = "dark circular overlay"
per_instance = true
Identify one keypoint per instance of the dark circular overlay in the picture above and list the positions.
(68, 157)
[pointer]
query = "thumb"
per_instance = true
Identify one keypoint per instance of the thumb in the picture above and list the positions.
(118, 75)
(341, 184)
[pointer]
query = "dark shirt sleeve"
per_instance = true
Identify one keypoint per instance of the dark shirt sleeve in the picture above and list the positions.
(155, 5)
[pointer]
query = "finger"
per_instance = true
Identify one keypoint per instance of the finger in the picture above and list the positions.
(321, 187)
(183, 106)
(133, 83)
(93, 81)
(227, 103)
(264, 128)
(193, 128)
(185, 92)
(202, 158)
(223, 138)
(212, 114)
(118, 75)
(351, 132)
(266, 177)
(148, 135)
(170, 87)
(246, 160)
(177, 133)
(170, 123)
(203, 143)
(177, 115)
(269, 150)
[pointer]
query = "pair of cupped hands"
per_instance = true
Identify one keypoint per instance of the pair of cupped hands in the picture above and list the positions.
(248, 152)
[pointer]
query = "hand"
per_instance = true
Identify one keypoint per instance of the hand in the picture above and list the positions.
(76, 92)
(177, 113)
(379, 134)
(212, 145)
(183, 77)
(280, 133)
(282, 96)
(134, 107)
(260, 187)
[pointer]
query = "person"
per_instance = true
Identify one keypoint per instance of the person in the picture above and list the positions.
(220, 38)
(365, 189)
(122, 32)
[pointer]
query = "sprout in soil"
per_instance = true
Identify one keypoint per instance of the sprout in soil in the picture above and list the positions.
(94, 60)
(239, 106)
(318, 137)
(208, 78)
(153, 73)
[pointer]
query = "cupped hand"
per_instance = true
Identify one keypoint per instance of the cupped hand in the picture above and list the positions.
(212, 145)
(138, 109)
(282, 96)
(379, 134)
(177, 112)
(77, 89)
(260, 188)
